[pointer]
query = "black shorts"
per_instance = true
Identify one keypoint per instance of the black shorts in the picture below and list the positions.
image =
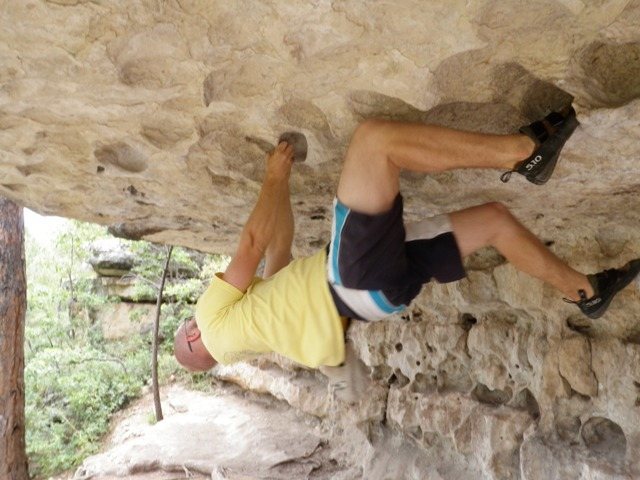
(376, 266)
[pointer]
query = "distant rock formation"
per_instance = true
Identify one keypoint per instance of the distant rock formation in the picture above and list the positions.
(111, 257)
(114, 263)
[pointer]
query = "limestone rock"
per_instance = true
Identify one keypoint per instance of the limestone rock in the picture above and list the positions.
(575, 366)
(156, 122)
(110, 257)
(297, 388)
(126, 288)
(113, 257)
(551, 461)
(122, 320)
(195, 436)
(487, 436)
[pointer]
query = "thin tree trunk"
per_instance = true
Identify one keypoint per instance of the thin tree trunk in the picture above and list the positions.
(156, 329)
(13, 305)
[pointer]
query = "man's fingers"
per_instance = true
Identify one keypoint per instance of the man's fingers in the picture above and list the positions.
(280, 148)
(286, 150)
(289, 150)
(281, 157)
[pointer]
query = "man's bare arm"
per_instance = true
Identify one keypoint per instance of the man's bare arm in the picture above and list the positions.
(260, 229)
(278, 254)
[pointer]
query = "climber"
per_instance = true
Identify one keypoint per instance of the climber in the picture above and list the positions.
(375, 264)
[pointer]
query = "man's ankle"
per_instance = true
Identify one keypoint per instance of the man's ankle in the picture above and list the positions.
(526, 147)
(583, 286)
(522, 148)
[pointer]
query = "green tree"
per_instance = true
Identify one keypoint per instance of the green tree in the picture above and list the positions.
(75, 380)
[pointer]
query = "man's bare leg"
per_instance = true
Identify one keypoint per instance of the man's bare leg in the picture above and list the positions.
(379, 150)
(493, 225)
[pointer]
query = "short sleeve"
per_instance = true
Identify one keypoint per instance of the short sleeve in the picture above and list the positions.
(219, 296)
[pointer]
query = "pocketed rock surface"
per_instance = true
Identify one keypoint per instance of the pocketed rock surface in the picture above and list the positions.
(154, 117)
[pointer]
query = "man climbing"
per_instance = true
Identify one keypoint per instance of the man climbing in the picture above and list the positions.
(375, 264)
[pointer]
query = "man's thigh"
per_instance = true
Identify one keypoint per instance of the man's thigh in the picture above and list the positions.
(367, 252)
(369, 182)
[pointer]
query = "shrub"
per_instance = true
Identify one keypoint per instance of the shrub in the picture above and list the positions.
(71, 395)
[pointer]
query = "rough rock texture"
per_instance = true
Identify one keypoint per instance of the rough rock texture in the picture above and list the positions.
(110, 257)
(124, 319)
(114, 257)
(153, 117)
(230, 437)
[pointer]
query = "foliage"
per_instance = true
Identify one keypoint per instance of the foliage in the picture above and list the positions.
(60, 294)
(74, 379)
(71, 396)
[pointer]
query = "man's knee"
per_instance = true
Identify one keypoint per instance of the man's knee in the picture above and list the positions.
(480, 226)
(498, 217)
(369, 182)
(370, 126)
(370, 134)
(497, 210)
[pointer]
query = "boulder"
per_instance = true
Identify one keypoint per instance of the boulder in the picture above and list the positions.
(111, 257)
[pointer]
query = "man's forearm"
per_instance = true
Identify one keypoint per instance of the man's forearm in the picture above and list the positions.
(278, 254)
(259, 230)
(283, 236)
(261, 227)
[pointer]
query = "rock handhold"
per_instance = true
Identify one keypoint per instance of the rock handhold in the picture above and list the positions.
(299, 143)
(123, 156)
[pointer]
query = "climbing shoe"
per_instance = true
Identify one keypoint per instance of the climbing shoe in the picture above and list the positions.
(606, 285)
(549, 135)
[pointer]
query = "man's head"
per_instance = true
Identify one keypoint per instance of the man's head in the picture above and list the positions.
(189, 349)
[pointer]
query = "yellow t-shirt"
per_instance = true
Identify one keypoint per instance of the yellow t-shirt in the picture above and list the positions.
(290, 313)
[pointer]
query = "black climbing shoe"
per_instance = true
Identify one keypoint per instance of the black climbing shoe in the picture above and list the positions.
(550, 135)
(606, 284)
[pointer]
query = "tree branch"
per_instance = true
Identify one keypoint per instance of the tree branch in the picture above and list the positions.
(156, 328)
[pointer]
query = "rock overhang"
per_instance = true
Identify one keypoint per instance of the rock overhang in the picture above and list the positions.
(157, 122)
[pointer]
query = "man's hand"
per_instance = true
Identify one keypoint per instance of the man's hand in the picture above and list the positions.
(279, 162)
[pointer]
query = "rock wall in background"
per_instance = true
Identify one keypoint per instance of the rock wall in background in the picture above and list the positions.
(153, 117)
(132, 295)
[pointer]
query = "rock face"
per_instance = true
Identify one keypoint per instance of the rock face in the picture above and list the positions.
(125, 319)
(268, 441)
(114, 262)
(154, 118)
